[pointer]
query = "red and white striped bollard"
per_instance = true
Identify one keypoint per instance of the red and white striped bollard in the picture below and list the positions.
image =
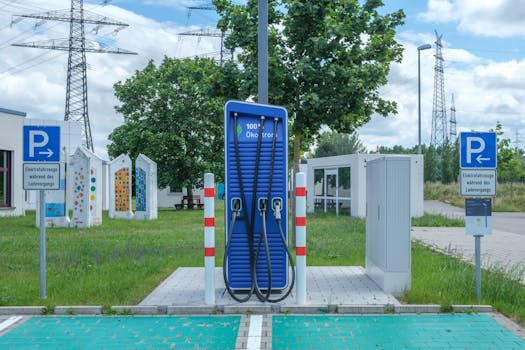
(300, 236)
(209, 239)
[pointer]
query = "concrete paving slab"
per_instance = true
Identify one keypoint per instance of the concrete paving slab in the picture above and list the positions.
(326, 285)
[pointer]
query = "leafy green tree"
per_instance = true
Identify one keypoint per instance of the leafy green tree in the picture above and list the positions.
(397, 149)
(173, 113)
(509, 160)
(446, 162)
(431, 164)
(327, 60)
(335, 144)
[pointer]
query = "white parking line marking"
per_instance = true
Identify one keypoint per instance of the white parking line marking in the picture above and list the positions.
(9, 322)
(254, 333)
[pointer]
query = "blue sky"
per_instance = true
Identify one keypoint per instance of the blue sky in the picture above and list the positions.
(483, 50)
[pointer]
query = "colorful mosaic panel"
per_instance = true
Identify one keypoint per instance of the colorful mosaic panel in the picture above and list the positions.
(79, 193)
(122, 190)
(140, 189)
(92, 190)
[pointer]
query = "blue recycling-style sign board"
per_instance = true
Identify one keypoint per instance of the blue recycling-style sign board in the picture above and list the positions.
(41, 143)
(477, 150)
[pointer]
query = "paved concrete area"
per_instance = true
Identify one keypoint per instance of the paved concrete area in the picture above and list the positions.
(504, 248)
(327, 285)
(501, 221)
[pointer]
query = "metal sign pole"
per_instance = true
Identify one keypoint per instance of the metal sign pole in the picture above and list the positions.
(42, 244)
(478, 266)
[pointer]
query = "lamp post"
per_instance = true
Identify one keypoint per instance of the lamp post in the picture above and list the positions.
(419, 48)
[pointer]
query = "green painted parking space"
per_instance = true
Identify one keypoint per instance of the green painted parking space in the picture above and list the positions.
(124, 332)
(449, 331)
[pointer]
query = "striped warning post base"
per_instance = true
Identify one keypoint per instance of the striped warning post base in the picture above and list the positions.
(209, 239)
(300, 236)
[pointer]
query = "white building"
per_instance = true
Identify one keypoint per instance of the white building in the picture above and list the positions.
(339, 184)
(167, 198)
(11, 149)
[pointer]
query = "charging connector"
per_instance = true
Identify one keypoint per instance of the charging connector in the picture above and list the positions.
(236, 205)
(263, 205)
(277, 206)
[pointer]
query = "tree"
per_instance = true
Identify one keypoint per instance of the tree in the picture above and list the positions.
(335, 144)
(446, 163)
(509, 160)
(397, 149)
(431, 164)
(327, 60)
(173, 113)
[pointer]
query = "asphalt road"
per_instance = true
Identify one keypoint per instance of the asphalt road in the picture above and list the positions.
(502, 221)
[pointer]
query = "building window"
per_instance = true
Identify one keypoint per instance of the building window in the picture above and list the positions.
(5, 178)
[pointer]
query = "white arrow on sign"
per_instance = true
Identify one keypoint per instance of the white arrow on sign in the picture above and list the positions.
(33, 144)
(480, 159)
(49, 152)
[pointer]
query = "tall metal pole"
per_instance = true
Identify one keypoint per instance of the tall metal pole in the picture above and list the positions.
(42, 244)
(478, 266)
(262, 53)
(422, 47)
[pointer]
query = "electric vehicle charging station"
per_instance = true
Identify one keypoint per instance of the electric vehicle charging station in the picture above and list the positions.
(256, 258)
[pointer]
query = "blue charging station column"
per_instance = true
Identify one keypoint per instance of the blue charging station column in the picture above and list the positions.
(261, 161)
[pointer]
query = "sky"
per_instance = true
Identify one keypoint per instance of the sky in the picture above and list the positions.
(483, 48)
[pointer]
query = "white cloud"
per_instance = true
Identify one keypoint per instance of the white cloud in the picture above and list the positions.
(438, 11)
(173, 3)
(459, 56)
(484, 93)
(40, 90)
(493, 18)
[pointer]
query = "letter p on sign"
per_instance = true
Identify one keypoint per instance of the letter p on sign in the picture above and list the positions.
(33, 136)
(471, 141)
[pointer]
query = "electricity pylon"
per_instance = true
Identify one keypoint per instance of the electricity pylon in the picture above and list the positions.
(213, 33)
(453, 134)
(77, 45)
(439, 113)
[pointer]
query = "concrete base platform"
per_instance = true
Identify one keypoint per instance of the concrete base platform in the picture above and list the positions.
(325, 286)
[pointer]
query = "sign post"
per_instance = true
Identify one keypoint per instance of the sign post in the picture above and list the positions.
(478, 163)
(41, 172)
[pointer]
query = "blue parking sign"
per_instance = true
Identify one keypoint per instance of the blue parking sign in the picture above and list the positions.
(478, 150)
(41, 143)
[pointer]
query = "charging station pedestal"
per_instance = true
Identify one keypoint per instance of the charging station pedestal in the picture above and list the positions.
(256, 154)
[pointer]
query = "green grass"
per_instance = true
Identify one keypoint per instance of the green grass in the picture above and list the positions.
(444, 280)
(503, 202)
(121, 262)
(437, 220)
(117, 263)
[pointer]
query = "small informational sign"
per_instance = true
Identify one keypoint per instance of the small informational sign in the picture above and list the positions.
(478, 216)
(41, 176)
(477, 182)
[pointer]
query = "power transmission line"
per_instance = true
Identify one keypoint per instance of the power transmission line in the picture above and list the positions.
(18, 68)
(76, 88)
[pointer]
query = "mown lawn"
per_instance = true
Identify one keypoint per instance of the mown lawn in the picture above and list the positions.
(121, 262)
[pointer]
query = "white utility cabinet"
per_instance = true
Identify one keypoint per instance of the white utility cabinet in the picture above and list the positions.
(388, 256)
